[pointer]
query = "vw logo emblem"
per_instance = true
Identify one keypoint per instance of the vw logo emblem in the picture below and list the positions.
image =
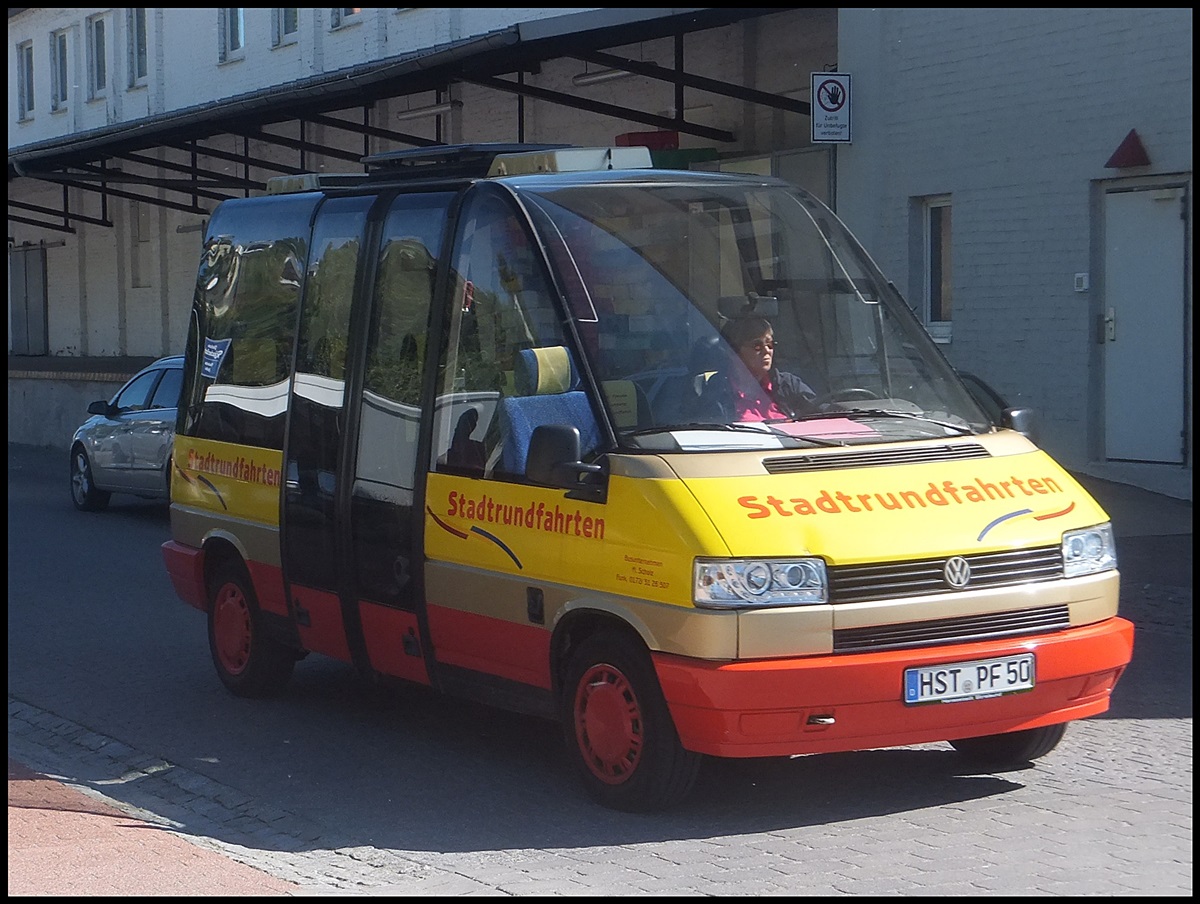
(957, 572)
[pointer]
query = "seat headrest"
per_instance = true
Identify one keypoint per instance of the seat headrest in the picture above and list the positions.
(708, 353)
(545, 371)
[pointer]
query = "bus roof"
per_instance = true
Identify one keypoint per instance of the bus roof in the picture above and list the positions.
(467, 161)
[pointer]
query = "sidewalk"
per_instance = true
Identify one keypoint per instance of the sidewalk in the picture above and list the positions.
(62, 841)
(65, 841)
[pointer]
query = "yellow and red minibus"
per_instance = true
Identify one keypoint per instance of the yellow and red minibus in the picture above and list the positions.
(476, 418)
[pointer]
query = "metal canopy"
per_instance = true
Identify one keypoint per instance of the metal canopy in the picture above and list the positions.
(169, 146)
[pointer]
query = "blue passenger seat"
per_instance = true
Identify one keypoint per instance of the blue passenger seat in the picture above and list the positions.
(547, 383)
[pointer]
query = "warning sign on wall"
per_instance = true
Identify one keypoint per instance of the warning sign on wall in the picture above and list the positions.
(830, 107)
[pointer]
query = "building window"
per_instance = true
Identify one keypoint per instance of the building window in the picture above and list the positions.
(59, 82)
(139, 62)
(232, 29)
(285, 25)
(97, 53)
(25, 80)
(346, 15)
(939, 272)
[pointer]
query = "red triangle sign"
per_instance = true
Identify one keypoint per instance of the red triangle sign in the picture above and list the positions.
(1129, 153)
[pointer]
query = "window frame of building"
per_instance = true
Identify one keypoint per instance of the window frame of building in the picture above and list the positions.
(937, 304)
(97, 56)
(231, 30)
(280, 35)
(139, 50)
(344, 16)
(60, 70)
(25, 96)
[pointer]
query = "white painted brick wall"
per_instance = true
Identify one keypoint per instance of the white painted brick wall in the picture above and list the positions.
(1013, 112)
(185, 70)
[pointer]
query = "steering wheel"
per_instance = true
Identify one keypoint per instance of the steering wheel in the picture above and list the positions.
(849, 394)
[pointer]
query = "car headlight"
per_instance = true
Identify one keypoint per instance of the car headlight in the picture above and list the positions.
(737, 583)
(1088, 551)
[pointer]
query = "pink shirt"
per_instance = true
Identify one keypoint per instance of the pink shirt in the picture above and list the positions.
(752, 401)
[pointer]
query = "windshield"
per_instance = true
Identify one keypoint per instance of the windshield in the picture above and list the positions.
(716, 313)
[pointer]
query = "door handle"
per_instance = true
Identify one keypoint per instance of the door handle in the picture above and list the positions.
(1110, 325)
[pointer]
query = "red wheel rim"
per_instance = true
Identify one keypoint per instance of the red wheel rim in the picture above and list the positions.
(608, 724)
(231, 629)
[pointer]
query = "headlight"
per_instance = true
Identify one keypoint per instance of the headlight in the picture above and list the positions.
(1088, 551)
(736, 583)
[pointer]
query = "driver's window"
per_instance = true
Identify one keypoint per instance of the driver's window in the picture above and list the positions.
(503, 305)
(133, 397)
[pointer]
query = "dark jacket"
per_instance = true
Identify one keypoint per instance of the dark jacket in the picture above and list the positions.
(791, 395)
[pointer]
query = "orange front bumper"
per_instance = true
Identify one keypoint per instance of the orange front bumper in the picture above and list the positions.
(824, 704)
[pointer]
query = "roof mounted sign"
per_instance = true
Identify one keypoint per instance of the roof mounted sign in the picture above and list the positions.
(830, 107)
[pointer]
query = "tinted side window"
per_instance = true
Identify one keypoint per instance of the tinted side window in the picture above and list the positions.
(317, 427)
(134, 396)
(167, 393)
(247, 292)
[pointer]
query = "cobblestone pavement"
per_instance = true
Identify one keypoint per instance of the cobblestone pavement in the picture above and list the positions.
(1108, 813)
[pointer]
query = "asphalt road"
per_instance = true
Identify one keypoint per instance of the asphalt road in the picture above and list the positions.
(351, 790)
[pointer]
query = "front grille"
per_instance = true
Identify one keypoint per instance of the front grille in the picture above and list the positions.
(891, 580)
(964, 629)
(863, 458)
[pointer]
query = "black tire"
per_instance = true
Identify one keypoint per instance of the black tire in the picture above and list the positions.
(618, 730)
(1013, 748)
(84, 492)
(248, 661)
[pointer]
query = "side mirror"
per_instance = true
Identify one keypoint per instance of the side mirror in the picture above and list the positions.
(100, 407)
(553, 460)
(1023, 420)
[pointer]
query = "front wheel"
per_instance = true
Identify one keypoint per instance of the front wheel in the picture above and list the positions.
(248, 661)
(86, 496)
(1013, 748)
(618, 730)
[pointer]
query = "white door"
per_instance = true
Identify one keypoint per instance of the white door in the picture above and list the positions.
(1145, 334)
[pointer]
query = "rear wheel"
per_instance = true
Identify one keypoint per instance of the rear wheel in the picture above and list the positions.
(248, 661)
(84, 493)
(618, 730)
(1012, 748)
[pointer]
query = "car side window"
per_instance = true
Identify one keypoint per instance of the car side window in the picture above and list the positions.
(167, 393)
(133, 397)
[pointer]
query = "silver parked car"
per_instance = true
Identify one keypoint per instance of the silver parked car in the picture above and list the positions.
(125, 446)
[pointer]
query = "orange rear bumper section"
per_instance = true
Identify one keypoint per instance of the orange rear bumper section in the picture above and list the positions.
(826, 704)
(185, 565)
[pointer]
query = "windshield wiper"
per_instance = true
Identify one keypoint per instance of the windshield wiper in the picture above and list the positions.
(851, 413)
(690, 425)
(735, 427)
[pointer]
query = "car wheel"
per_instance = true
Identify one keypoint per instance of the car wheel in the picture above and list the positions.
(1013, 748)
(84, 492)
(618, 730)
(248, 661)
